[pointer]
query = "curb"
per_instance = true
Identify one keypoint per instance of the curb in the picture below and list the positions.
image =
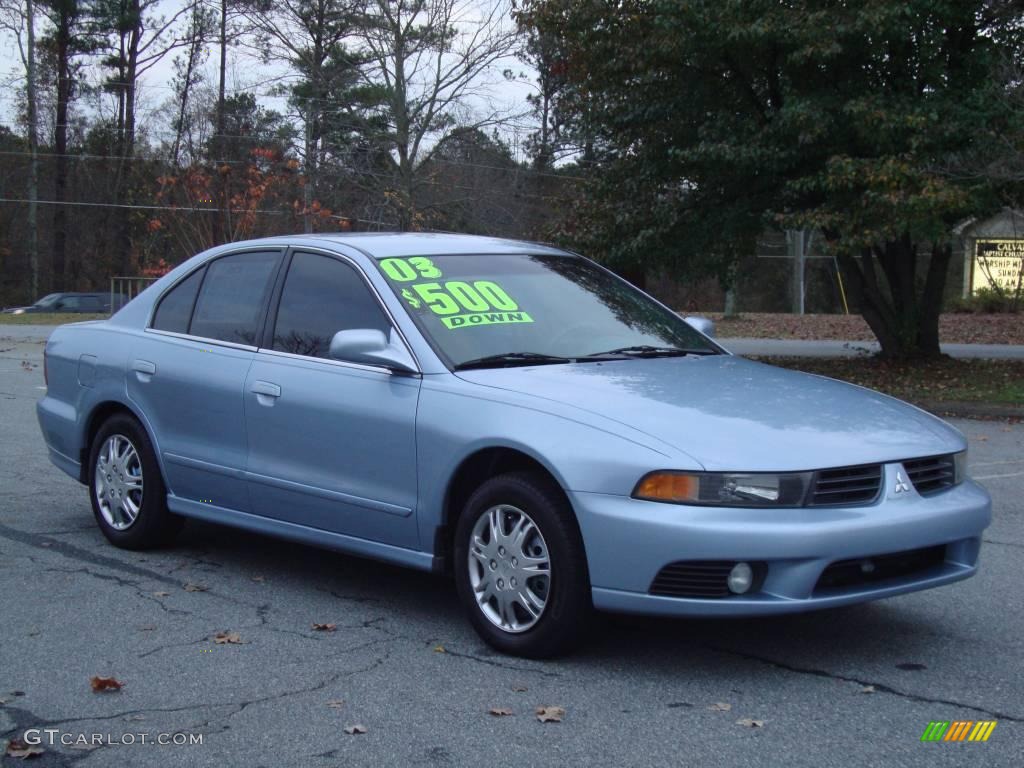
(971, 410)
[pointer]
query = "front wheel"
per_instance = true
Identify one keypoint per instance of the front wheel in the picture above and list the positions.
(520, 567)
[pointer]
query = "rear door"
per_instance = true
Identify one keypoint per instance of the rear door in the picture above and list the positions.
(188, 371)
(332, 444)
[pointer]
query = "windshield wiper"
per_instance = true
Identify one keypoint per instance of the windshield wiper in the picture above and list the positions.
(511, 358)
(646, 350)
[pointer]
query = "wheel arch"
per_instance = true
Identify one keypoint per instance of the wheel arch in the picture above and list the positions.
(470, 473)
(98, 414)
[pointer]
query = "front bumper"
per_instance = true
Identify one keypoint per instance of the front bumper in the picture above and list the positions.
(629, 541)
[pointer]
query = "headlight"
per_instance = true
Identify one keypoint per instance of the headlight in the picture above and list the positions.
(727, 489)
(959, 467)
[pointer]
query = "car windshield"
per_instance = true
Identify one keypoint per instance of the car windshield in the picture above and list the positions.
(516, 309)
(47, 300)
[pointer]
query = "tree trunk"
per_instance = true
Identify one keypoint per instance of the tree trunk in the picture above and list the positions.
(33, 148)
(904, 319)
(220, 191)
(124, 236)
(62, 36)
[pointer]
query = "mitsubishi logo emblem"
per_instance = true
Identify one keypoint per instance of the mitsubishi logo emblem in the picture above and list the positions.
(901, 484)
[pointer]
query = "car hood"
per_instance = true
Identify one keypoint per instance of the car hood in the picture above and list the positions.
(729, 413)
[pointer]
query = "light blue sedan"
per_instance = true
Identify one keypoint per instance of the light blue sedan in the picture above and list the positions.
(512, 413)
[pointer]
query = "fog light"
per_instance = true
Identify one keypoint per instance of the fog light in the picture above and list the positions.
(741, 577)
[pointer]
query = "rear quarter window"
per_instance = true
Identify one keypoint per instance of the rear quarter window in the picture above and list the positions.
(175, 309)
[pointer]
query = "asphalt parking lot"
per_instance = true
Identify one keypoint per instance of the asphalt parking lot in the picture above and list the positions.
(855, 686)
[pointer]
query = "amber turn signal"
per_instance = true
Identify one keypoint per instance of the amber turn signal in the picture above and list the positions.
(669, 486)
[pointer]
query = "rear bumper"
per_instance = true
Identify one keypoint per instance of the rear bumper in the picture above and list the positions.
(629, 541)
(59, 426)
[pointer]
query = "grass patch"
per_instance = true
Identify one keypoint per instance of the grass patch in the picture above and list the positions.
(48, 318)
(977, 381)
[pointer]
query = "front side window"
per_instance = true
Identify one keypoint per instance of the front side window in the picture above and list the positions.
(232, 297)
(528, 306)
(48, 300)
(322, 296)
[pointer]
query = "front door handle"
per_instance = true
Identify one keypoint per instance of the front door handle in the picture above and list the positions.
(266, 392)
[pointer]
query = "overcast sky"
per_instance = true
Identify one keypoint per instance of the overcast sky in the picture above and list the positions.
(246, 73)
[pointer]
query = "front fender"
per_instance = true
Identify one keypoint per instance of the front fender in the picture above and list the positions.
(456, 420)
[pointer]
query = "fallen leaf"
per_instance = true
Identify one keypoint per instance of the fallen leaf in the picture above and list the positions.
(224, 638)
(550, 714)
(981, 438)
(18, 748)
(161, 594)
(748, 723)
(519, 689)
(354, 729)
(720, 706)
(500, 711)
(336, 703)
(190, 587)
(325, 627)
(258, 579)
(105, 684)
(439, 648)
(868, 689)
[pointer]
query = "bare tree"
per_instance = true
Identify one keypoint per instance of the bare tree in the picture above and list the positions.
(437, 61)
(310, 35)
(141, 36)
(199, 31)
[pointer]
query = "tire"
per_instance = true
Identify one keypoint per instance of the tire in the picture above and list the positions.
(519, 503)
(131, 481)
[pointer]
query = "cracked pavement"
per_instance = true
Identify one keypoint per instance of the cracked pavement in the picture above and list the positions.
(72, 606)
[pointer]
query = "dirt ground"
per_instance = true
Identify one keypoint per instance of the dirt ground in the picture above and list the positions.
(953, 328)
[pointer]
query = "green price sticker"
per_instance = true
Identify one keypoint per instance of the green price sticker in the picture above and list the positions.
(457, 296)
(406, 270)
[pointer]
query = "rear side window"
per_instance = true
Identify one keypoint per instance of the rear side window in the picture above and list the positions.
(322, 296)
(231, 300)
(175, 308)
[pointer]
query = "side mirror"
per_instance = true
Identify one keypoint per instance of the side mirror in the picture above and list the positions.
(370, 346)
(702, 324)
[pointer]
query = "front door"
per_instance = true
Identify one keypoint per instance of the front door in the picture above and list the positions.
(332, 445)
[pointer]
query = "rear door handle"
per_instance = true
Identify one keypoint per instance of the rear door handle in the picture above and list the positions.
(266, 392)
(144, 369)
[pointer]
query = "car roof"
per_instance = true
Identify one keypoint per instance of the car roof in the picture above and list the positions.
(382, 245)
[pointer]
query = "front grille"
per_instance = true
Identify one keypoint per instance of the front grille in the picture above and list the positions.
(694, 578)
(848, 485)
(866, 570)
(931, 474)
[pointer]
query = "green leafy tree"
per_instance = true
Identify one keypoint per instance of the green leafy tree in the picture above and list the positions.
(712, 119)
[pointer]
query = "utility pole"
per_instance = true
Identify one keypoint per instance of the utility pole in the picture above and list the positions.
(33, 148)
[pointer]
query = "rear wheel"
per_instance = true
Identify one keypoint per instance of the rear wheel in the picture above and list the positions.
(129, 498)
(520, 567)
